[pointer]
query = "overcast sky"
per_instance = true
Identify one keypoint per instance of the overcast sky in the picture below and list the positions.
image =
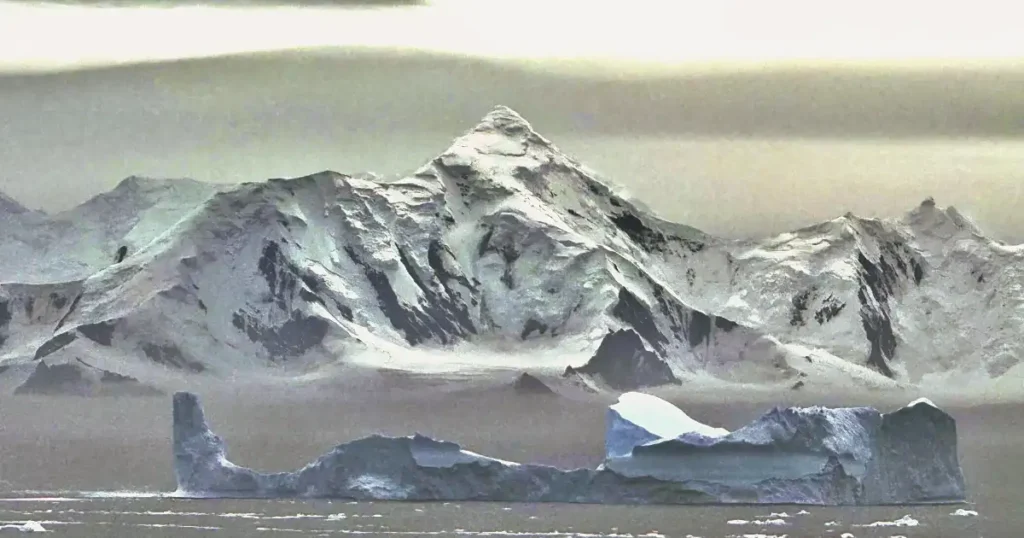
(34, 34)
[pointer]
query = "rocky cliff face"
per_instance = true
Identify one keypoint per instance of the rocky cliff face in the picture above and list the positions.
(500, 241)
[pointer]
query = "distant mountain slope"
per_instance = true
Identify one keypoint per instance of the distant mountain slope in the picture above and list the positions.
(500, 243)
(76, 243)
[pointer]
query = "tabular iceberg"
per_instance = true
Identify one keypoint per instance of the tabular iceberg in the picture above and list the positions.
(793, 456)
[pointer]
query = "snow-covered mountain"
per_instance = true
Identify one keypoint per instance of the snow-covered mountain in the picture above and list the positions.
(502, 252)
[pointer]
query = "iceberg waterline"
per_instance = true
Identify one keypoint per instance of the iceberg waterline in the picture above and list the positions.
(816, 455)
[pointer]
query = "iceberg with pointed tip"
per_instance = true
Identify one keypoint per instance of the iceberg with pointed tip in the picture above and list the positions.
(846, 456)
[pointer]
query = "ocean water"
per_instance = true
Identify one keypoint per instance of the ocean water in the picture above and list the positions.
(88, 515)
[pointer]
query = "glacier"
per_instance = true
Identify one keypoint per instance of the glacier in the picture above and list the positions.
(844, 456)
(501, 242)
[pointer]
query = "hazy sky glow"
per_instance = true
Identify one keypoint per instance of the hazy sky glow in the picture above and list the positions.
(41, 36)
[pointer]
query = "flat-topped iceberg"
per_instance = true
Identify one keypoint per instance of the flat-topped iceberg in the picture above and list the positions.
(792, 456)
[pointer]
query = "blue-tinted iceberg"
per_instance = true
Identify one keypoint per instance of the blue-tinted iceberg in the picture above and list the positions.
(793, 456)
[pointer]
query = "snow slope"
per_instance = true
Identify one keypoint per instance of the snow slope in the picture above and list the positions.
(500, 243)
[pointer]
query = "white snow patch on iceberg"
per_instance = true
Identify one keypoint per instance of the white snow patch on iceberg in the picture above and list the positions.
(660, 417)
(922, 400)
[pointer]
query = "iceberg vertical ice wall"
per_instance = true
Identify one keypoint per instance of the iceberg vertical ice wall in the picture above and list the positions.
(788, 456)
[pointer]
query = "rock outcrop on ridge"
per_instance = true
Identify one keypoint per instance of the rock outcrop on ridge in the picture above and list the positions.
(78, 378)
(854, 456)
(501, 242)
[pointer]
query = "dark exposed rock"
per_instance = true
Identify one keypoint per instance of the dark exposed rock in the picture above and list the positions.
(57, 300)
(311, 297)
(637, 315)
(171, 356)
(528, 384)
(651, 240)
(725, 324)
(102, 333)
(5, 313)
(345, 311)
(830, 308)
(121, 253)
(78, 378)
(280, 277)
(699, 330)
(878, 283)
(508, 252)
(440, 314)
(298, 334)
(5, 319)
(61, 300)
(59, 379)
(54, 345)
(623, 363)
(800, 300)
(531, 326)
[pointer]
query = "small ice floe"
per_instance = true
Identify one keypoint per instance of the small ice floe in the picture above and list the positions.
(960, 512)
(28, 526)
(846, 535)
(759, 522)
(241, 515)
(831, 523)
(776, 515)
(905, 521)
(39, 499)
(803, 513)
(175, 526)
(126, 494)
(337, 517)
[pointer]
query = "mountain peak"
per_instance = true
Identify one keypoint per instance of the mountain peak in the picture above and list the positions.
(943, 222)
(505, 120)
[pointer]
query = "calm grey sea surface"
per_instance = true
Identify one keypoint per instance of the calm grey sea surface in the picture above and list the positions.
(168, 517)
(54, 451)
